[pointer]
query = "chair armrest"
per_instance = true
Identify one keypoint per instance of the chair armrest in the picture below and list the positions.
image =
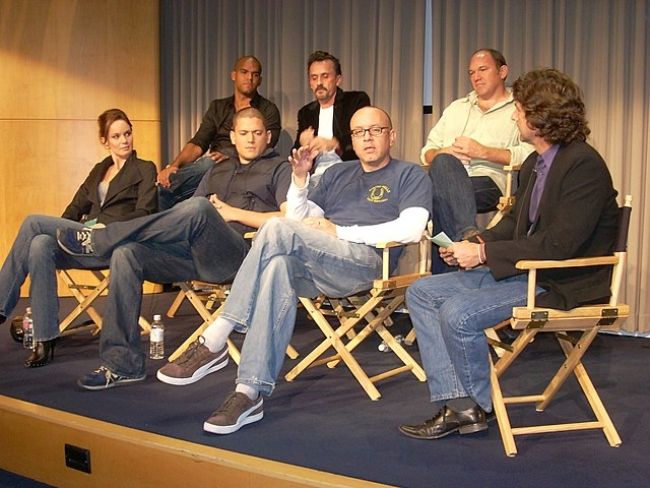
(567, 263)
(387, 245)
(423, 262)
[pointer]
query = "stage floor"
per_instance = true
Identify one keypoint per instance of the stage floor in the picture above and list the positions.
(321, 423)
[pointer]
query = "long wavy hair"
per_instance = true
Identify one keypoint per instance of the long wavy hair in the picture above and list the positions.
(553, 105)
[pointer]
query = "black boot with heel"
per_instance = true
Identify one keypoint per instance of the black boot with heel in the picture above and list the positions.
(42, 354)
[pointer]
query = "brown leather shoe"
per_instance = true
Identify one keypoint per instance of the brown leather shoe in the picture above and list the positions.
(447, 422)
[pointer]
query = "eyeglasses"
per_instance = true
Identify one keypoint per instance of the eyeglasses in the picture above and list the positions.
(373, 131)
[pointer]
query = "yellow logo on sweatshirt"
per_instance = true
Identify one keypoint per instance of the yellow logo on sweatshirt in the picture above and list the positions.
(378, 194)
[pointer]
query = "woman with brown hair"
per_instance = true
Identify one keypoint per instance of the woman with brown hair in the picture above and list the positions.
(120, 187)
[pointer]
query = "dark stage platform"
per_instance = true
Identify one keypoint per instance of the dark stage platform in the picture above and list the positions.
(323, 422)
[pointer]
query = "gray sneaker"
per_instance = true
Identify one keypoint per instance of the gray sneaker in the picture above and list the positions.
(196, 362)
(235, 412)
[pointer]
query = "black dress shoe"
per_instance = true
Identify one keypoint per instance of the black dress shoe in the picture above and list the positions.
(16, 329)
(447, 422)
(42, 354)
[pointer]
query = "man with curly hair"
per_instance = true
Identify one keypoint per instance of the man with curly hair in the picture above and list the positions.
(565, 208)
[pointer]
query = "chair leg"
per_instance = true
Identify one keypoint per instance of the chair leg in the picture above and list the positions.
(592, 395)
(401, 353)
(333, 339)
(84, 300)
(292, 352)
(573, 358)
(173, 308)
(410, 338)
(505, 429)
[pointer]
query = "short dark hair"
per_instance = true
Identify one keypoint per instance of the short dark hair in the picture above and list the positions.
(250, 113)
(499, 58)
(324, 56)
(246, 58)
(106, 119)
(552, 103)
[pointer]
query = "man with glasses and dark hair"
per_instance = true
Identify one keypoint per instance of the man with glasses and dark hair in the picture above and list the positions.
(468, 147)
(324, 245)
(323, 125)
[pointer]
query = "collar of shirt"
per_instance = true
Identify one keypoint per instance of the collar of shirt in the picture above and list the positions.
(545, 160)
(472, 98)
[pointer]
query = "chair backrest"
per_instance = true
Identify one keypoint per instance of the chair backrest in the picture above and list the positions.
(620, 248)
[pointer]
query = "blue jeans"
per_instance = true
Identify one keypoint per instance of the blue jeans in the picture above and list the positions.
(288, 260)
(183, 183)
(449, 313)
(188, 241)
(457, 197)
(36, 252)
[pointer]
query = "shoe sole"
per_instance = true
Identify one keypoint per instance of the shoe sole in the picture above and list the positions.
(465, 429)
(244, 419)
(62, 246)
(125, 382)
(203, 371)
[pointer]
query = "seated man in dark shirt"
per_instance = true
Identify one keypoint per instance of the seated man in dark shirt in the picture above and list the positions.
(179, 179)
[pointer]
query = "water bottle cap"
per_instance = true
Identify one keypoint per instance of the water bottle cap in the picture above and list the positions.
(157, 317)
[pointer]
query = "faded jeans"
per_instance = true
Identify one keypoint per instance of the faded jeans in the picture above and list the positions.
(36, 252)
(288, 260)
(188, 241)
(449, 312)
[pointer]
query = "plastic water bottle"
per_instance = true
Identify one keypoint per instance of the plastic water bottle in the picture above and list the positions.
(28, 329)
(157, 338)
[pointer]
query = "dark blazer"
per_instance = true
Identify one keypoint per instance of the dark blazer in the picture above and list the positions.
(131, 193)
(578, 217)
(345, 104)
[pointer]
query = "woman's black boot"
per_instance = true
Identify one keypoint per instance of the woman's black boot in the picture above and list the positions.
(42, 354)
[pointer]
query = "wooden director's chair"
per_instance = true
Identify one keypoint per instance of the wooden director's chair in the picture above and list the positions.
(207, 299)
(95, 282)
(371, 311)
(589, 319)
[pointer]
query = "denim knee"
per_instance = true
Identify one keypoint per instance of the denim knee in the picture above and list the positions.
(125, 256)
(277, 227)
(32, 223)
(42, 247)
(196, 205)
(444, 164)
